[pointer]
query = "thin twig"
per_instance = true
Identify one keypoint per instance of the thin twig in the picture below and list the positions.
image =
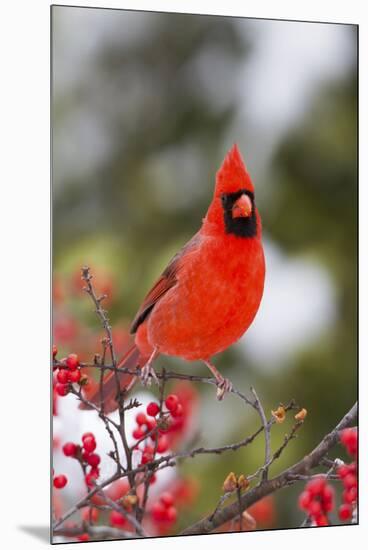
(267, 434)
(102, 314)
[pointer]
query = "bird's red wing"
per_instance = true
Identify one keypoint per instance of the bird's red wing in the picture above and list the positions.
(167, 280)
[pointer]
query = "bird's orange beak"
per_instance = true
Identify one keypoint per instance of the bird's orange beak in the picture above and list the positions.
(242, 208)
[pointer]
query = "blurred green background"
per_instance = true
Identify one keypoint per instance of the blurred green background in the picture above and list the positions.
(145, 107)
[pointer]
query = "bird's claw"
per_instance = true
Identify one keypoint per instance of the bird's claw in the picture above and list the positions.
(147, 374)
(224, 385)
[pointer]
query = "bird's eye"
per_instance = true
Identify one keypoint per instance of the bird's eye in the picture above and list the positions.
(223, 199)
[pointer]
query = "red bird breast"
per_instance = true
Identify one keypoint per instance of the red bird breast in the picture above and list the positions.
(216, 298)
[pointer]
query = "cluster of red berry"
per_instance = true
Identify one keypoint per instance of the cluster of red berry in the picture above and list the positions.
(348, 474)
(163, 511)
(317, 500)
(86, 456)
(151, 432)
(68, 372)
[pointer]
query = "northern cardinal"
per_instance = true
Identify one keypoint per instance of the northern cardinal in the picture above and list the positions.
(209, 293)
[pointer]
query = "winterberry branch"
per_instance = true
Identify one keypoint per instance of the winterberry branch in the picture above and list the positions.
(287, 477)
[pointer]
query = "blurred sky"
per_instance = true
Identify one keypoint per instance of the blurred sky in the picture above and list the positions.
(284, 70)
(286, 66)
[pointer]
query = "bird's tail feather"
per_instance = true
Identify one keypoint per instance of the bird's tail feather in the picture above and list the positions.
(109, 389)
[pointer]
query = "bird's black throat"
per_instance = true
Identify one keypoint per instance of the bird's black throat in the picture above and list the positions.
(241, 227)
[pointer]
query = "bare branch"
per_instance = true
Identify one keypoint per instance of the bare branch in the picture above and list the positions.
(266, 427)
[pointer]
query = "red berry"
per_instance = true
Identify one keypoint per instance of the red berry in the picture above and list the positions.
(350, 481)
(141, 418)
(138, 433)
(60, 481)
(62, 389)
(316, 486)
(343, 471)
(93, 460)
(315, 508)
(345, 512)
(87, 434)
(167, 499)
(84, 537)
(75, 376)
(147, 454)
(304, 500)
(352, 449)
(62, 376)
(162, 444)
(117, 519)
(70, 449)
(171, 514)
(151, 424)
(153, 479)
(178, 411)
(89, 444)
(54, 351)
(171, 402)
(72, 361)
(350, 496)
(85, 455)
(146, 457)
(158, 511)
(348, 436)
(91, 478)
(322, 521)
(327, 494)
(152, 409)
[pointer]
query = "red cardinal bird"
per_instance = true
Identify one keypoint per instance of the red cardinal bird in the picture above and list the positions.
(210, 292)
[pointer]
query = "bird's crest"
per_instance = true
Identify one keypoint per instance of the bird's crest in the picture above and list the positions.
(233, 175)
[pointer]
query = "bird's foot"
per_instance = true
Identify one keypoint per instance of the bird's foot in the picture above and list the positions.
(148, 374)
(224, 385)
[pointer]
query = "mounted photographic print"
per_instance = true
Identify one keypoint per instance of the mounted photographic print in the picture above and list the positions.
(204, 204)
